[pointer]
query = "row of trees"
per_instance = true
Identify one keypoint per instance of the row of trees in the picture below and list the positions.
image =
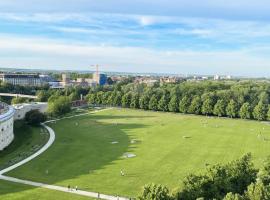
(238, 180)
(247, 100)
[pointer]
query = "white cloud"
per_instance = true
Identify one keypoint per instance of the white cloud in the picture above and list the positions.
(38, 52)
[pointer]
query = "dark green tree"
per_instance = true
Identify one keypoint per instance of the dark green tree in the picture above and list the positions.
(184, 104)
(153, 103)
(173, 104)
(245, 111)
(155, 192)
(220, 108)
(163, 103)
(260, 111)
(231, 109)
(35, 117)
(135, 101)
(126, 100)
(195, 106)
(208, 106)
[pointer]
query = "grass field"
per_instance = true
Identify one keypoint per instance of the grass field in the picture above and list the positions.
(167, 147)
(27, 141)
(12, 191)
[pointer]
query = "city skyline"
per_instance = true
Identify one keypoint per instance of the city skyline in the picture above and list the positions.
(213, 37)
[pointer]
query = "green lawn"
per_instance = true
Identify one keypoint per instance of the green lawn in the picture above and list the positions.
(12, 191)
(27, 141)
(168, 146)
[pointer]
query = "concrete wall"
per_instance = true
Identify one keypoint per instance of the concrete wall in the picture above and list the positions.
(22, 109)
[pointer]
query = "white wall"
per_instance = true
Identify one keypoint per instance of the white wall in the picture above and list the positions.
(22, 109)
(6, 128)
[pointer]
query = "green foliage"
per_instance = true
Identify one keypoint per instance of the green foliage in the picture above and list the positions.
(135, 101)
(231, 196)
(245, 111)
(59, 106)
(231, 109)
(184, 104)
(126, 100)
(18, 100)
(219, 180)
(163, 103)
(144, 101)
(207, 107)
(195, 106)
(155, 192)
(264, 173)
(219, 108)
(173, 104)
(257, 191)
(260, 112)
(34, 117)
(153, 103)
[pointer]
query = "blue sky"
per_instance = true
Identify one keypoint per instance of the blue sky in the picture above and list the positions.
(185, 37)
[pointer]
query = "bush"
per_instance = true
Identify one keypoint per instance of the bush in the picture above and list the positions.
(34, 117)
(155, 192)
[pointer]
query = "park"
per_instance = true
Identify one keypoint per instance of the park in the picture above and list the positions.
(117, 151)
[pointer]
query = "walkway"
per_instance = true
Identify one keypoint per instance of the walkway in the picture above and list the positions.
(54, 187)
(18, 95)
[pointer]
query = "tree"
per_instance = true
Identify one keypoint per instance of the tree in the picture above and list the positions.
(126, 100)
(155, 192)
(219, 108)
(18, 100)
(219, 180)
(117, 99)
(257, 191)
(173, 104)
(184, 104)
(43, 96)
(163, 103)
(35, 117)
(135, 101)
(91, 98)
(195, 106)
(144, 101)
(59, 106)
(264, 172)
(231, 109)
(153, 103)
(260, 111)
(245, 111)
(207, 107)
(268, 113)
(231, 196)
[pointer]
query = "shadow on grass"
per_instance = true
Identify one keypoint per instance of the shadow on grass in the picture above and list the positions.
(27, 141)
(83, 145)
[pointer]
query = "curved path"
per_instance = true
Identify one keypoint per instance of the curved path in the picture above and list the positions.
(54, 187)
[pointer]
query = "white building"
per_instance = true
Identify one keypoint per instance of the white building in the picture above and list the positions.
(10, 113)
(6, 125)
(22, 109)
(21, 79)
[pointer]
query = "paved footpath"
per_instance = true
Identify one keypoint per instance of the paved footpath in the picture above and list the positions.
(54, 187)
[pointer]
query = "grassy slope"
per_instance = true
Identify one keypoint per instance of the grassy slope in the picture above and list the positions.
(12, 191)
(83, 155)
(27, 141)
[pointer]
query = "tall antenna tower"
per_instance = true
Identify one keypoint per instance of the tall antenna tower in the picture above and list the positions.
(97, 70)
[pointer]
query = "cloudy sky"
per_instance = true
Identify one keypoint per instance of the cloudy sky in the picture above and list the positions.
(173, 36)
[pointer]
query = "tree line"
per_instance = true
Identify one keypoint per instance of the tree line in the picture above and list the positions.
(237, 180)
(243, 99)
